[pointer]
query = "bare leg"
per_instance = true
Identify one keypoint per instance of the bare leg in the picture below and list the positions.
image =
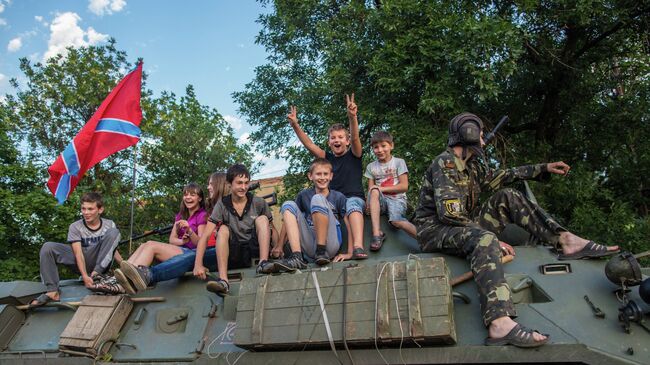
(407, 227)
(375, 211)
(292, 230)
(223, 250)
(150, 250)
(263, 236)
(321, 223)
(356, 226)
(571, 243)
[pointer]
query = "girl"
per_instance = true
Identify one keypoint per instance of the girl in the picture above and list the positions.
(186, 231)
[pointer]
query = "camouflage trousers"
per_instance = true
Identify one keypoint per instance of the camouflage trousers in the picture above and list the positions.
(480, 245)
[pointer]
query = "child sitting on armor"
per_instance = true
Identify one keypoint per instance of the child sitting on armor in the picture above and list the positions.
(387, 187)
(346, 159)
(312, 220)
(244, 232)
(90, 247)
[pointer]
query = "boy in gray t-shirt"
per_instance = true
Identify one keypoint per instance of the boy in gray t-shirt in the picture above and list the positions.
(90, 247)
(387, 186)
(244, 232)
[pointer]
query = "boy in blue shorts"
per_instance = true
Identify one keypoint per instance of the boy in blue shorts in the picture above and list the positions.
(312, 220)
(347, 170)
(387, 186)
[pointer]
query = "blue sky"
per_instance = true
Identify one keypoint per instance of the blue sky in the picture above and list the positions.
(209, 44)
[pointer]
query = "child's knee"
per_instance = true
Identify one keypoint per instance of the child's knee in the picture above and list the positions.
(262, 221)
(48, 248)
(289, 207)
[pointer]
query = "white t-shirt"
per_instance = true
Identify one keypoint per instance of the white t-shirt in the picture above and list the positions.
(387, 174)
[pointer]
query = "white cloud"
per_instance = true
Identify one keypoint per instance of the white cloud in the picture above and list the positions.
(65, 32)
(244, 138)
(101, 7)
(227, 68)
(41, 20)
(3, 22)
(234, 121)
(2, 7)
(94, 37)
(2, 77)
(15, 44)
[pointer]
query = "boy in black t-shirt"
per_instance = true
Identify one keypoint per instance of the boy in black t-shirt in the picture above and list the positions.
(347, 170)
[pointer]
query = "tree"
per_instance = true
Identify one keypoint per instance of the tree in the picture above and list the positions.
(572, 76)
(182, 141)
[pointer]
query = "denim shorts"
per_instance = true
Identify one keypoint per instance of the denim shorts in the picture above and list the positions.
(394, 208)
(354, 204)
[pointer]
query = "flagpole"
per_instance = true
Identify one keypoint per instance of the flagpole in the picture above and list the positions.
(135, 162)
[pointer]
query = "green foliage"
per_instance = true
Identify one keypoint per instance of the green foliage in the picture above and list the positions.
(571, 75)
(182, 141)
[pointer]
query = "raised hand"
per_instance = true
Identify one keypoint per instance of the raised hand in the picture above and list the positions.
(352, 107)
(293, 115)
(559, 168)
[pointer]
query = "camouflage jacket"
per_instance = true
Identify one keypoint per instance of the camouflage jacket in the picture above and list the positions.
(451, 187)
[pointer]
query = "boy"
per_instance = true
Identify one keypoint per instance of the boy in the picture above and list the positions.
(91, 246)
(347, 170)
(244, 232)
(312, 220)
(387, 186)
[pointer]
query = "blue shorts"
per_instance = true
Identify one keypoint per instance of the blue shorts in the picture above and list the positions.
(354, 204)
(394, 208)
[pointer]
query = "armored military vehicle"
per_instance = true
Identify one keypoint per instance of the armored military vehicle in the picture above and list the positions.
(398, 307)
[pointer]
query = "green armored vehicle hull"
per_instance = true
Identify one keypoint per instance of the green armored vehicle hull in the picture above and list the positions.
(406, 312)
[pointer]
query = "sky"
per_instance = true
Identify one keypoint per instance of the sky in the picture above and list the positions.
(209, 44)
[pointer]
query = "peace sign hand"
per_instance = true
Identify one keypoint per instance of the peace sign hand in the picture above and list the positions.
(352, 107)
(293, 115)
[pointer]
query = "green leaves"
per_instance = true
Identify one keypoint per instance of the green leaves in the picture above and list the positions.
(413, 65)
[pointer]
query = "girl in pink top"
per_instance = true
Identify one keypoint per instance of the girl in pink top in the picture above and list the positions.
(185, 234)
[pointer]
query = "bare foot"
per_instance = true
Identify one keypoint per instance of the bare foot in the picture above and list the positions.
(571, 243)
(500, 327)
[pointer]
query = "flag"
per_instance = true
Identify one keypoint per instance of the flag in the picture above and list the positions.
(114, 127)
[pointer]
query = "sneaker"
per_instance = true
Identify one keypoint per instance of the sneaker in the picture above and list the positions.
(266, 267)
(140, 276)
(124, 282)
(292, 263)
(218, 286)
(322, 258)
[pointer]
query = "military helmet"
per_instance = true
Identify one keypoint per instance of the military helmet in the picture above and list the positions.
(624, 269)
(465, 130)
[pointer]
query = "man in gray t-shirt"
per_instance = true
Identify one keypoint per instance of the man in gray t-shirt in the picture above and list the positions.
(90, 247)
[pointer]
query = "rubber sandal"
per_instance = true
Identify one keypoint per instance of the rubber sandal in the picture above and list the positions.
(41, 300)
(219, 286)
(590, 251)
(359, 254)
(377, 242)
(518, 336)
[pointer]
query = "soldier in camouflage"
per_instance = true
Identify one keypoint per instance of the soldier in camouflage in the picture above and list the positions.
(449, 219)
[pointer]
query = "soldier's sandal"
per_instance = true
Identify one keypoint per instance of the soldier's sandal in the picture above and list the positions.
(518, 336)
(591, 250)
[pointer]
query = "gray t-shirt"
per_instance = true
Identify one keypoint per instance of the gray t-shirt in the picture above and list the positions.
(387, 174)
(79, 232)
(242, 228)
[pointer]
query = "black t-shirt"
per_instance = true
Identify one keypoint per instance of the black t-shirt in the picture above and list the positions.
(347, 171)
